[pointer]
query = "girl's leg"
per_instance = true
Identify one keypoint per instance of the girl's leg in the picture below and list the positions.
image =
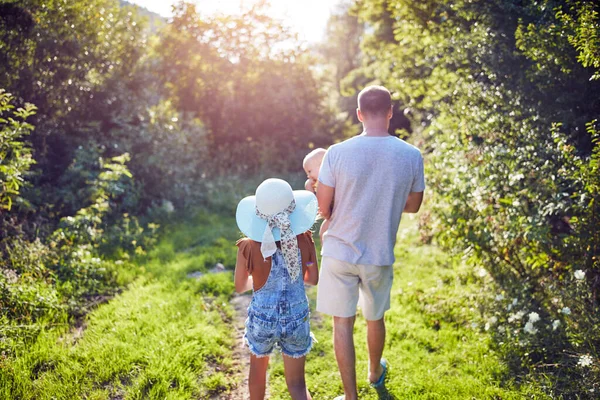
(294, 377)
(257, 378)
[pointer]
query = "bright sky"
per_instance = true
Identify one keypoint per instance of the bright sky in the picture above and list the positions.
(307, 17)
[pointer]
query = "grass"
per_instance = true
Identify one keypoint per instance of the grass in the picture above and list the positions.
(436, 346)
(168, 336)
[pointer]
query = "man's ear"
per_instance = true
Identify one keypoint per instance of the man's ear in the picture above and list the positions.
(391, 112)
(359, 115)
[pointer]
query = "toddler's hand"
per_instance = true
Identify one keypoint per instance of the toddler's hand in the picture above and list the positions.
(310, 185)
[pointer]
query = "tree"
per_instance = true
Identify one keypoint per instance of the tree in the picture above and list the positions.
(505, 95)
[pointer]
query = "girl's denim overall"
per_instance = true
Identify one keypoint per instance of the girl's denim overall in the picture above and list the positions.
(278, 315)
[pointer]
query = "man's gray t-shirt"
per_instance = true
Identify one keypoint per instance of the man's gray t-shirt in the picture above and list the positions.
(372, 177)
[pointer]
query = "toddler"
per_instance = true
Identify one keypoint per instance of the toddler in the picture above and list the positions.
(275, 260)
(312, 166)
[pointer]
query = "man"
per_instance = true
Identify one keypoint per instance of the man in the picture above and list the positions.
(371, 179)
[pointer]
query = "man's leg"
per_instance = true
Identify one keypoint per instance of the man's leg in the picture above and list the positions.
(343, 343)
(375, 343)
(257, 378)
(376, 286)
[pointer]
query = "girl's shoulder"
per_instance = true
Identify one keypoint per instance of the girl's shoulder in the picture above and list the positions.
(306, 237)
(246, 242)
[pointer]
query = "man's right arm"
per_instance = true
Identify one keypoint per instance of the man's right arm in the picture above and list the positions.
(413, 203)
(325, 196)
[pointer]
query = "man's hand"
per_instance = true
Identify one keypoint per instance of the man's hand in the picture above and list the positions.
(325, 198)
(413, 203)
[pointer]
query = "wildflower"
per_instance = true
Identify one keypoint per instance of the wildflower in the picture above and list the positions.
(585, 361)
(490, 322)
(168, 206)
(555, 324)
(515, 316)
(566, 311)
(534, 317)
(579, 274)
(499, 297)
(529, 328)
(10, 275)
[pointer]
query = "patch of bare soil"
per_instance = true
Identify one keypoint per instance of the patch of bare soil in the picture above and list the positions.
(241, 357)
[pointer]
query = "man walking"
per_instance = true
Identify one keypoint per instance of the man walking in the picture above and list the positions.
(371, 179)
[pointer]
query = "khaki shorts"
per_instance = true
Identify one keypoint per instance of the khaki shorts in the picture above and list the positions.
(343, 286)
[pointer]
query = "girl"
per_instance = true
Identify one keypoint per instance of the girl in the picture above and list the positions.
(275, 260)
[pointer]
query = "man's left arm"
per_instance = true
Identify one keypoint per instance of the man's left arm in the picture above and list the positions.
(415, 197)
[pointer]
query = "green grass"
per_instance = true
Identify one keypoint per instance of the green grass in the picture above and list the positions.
(166, 336)
(435, 344)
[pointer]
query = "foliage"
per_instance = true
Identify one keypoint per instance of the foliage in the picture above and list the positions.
(167, 335)
(15, 154)
(44, 283)
(58, 56)
(249, 83)
(504, 96)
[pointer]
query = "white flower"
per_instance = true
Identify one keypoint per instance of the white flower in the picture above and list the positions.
(529, 328)
(579, 274)
(515, 316)
(10, 275)
(566, 311)
(585, 360)
(499, 297)
(168, 206)
(515, 301)
(555, 324)
(490, 322)
(534, 317)
(482, 272)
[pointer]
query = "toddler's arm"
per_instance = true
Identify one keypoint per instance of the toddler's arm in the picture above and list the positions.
(311, 274)
(310, 185)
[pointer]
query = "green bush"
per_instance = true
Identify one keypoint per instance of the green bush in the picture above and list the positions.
(15, 154)
(503, 97)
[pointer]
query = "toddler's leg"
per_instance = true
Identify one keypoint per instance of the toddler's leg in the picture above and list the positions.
(257, 378)
(323, 229)
(294, 377)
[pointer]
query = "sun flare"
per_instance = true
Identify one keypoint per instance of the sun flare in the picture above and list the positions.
(308, 18)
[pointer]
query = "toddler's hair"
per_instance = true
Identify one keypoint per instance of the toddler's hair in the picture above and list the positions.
(319, 152)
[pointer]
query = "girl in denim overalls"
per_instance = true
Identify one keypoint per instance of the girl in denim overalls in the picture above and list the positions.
(275, 260)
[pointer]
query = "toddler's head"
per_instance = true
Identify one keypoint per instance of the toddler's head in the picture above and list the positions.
(312, 163)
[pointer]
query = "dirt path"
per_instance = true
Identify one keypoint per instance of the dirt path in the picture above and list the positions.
(241, 356)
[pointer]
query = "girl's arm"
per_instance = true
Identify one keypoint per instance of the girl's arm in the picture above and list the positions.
(311, 276)
(241, 278)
